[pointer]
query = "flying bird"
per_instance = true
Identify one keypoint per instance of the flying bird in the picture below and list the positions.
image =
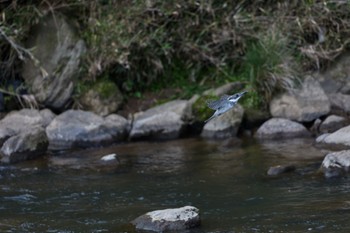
(225, 103)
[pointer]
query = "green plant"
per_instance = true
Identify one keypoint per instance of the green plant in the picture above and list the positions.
(269, 64)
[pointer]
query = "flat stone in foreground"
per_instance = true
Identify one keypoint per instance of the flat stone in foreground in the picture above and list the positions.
(168, 220)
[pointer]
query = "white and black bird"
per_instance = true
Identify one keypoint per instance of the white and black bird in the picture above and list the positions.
(225, 103)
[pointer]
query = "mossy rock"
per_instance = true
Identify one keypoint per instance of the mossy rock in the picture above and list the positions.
(103, 97)
(200, 109)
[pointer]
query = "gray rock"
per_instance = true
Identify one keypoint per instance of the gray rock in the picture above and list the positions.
(305, 104)
(26, 145)
(168, 220)
(340, 103)
(315, 128)
(19, 121)
(101, 103)
(336, 163)
(336, 77)
(58, 51)
(76, 128)
(340, 138)
(166, 121)
(224, 126)
(279, 169)
(276, 128)
(332, 123)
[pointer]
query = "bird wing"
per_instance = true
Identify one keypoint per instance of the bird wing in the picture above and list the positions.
(216, 104)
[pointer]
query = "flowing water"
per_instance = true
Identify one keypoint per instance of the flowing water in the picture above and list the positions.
(227, 181)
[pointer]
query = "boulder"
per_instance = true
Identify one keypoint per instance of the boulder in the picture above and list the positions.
(26, 145)
(336, 78)
(340, 138)
(103, 99)
(76, 128)
(19, 121)
(305, 104)
(178, 219)
(166, 121)
(224, 126)
(332, 123)
(340, 103)
(57, 51)
(336, 163)
(277, 128)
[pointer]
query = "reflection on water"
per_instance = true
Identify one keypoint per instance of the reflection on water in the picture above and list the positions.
(226, 180)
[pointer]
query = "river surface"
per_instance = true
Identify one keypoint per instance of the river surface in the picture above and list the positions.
(226, 179)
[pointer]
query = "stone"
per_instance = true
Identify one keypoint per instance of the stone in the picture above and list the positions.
(77, 128)
(19, 121)
(332, 123)
(109, 157)
(304, 105)
(178, 219)
(315, 128)
(336, 163)
(336, 77)
(26, 145)
(280, 169)
(57, 50)
(340, 103)
(224, 126)
(339, 138)
(103, 99)
(166, 121)
(277, 128)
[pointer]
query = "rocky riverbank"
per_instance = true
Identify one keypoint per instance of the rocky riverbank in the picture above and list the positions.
(318, 107)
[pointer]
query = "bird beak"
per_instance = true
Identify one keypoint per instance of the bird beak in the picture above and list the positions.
(242, 93)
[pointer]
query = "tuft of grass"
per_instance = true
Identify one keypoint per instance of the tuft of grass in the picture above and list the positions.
(269, 66)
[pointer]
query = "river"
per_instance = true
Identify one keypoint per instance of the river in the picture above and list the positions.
(74, 191)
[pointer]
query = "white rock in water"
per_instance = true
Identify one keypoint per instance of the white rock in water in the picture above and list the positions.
(185, 213)
(109, 157)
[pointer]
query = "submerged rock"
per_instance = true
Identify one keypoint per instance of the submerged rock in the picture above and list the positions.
(336, 163)
(224, 126)
(277, 128)
(304, 105)
(26, 145)
(279, 169)
(168, 220)
(76, 128)
(166, 121)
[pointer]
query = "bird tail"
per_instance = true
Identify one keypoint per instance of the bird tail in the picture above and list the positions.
(209, 118)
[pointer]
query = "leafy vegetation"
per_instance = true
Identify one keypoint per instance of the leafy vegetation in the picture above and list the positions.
(148, 45)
